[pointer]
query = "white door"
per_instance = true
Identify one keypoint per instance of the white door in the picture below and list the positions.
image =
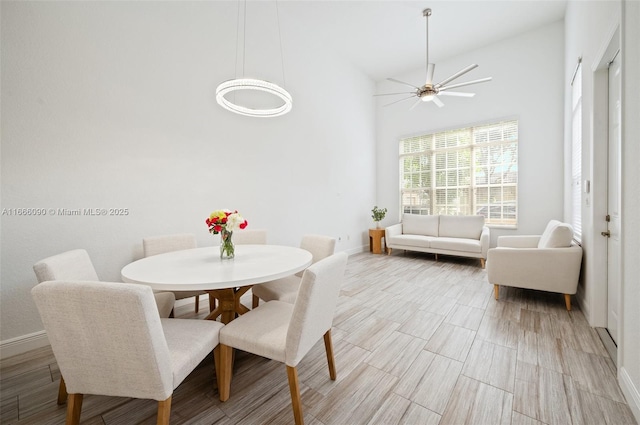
(614, 207)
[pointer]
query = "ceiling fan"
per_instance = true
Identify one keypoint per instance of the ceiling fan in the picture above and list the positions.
(430, 91)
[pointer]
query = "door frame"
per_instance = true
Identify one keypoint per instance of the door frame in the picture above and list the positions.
(599, 165)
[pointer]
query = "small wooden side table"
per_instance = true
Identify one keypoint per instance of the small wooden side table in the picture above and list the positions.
(375, 240)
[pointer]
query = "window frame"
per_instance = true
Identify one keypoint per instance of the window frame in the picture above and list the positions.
(432, 160)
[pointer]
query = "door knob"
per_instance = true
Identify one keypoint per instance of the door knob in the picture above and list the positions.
(607, 234)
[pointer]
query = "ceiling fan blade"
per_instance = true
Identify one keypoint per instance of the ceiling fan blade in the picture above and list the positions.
(456, 93)
(402, 82)
(389, 104)
(390, 94)
(430, 68)
(481, 80)
(416, 104)
(437, 101)
(456, 75)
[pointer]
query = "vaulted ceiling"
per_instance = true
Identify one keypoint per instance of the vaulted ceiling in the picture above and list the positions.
(384, 38)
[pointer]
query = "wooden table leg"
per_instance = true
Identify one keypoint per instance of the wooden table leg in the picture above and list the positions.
(228, 303)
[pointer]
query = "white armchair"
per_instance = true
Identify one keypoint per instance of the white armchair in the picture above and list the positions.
(548, 262)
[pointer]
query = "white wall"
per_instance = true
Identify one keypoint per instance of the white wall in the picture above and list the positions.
(112, 105)
(591, 28)
(630, 356)
(527, 84)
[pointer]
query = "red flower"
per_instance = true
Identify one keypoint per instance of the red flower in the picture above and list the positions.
(243, 225)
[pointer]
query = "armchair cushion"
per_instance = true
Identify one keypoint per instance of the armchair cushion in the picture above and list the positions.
(518, 241)
(556, 235)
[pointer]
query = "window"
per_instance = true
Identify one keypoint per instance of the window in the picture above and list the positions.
(462, 172)
(576, 152)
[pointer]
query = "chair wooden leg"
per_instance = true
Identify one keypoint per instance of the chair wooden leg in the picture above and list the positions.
(164, 411)
(62, 392)
(482, 263)
(74, 406)
(567, 301)
(197, 303)
(255, 302)
(328, 346)
(212, 302)
(294, 388)
(226, 365)
(216, 365)
(496, 291)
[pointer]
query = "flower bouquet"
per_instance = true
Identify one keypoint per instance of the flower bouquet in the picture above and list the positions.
(225, 222)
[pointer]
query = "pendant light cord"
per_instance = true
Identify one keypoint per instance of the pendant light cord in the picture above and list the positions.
(284, 82)
(230, 87)
(427, 13)
(244, 37)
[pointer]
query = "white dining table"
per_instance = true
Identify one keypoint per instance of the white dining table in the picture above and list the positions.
(225, 280)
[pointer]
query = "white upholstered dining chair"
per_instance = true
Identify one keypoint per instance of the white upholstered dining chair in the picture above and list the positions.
(108, 339)
(286, 332)
(155, 245)
(286, 288)
(76, 265)
(250, 236)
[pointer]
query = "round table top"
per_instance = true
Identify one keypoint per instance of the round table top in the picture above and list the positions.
(202, 268)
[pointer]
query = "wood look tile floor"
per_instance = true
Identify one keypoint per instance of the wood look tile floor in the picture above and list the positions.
(416, 342)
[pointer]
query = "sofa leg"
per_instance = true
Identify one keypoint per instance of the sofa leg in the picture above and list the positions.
(496, 291)
(482, 263)
(567, 301)
(436, 257)
(388, 251)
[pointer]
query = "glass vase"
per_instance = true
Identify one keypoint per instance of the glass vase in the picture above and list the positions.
(227, 249)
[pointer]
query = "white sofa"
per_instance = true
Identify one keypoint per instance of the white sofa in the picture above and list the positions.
(459, 235)
(548, 262)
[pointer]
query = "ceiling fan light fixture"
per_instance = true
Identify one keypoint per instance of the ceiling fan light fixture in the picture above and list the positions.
(430, 92)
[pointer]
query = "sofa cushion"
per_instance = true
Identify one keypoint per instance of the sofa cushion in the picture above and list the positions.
(411, 240)
(461, 226)
(456, 244)
(556, 235)
(414, 224)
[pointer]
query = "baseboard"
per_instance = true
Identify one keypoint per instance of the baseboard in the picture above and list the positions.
(357, 250)
(581, 298)
(22, 344)
(630, 392)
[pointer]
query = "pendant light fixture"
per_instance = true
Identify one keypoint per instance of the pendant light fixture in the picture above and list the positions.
(252, 84)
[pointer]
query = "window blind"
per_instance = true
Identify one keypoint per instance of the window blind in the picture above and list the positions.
(465, 171)
(576, 153)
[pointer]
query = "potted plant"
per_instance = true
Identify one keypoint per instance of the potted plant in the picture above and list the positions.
(378, 215)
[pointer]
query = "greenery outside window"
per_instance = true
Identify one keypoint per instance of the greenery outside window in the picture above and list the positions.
(466, 171)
